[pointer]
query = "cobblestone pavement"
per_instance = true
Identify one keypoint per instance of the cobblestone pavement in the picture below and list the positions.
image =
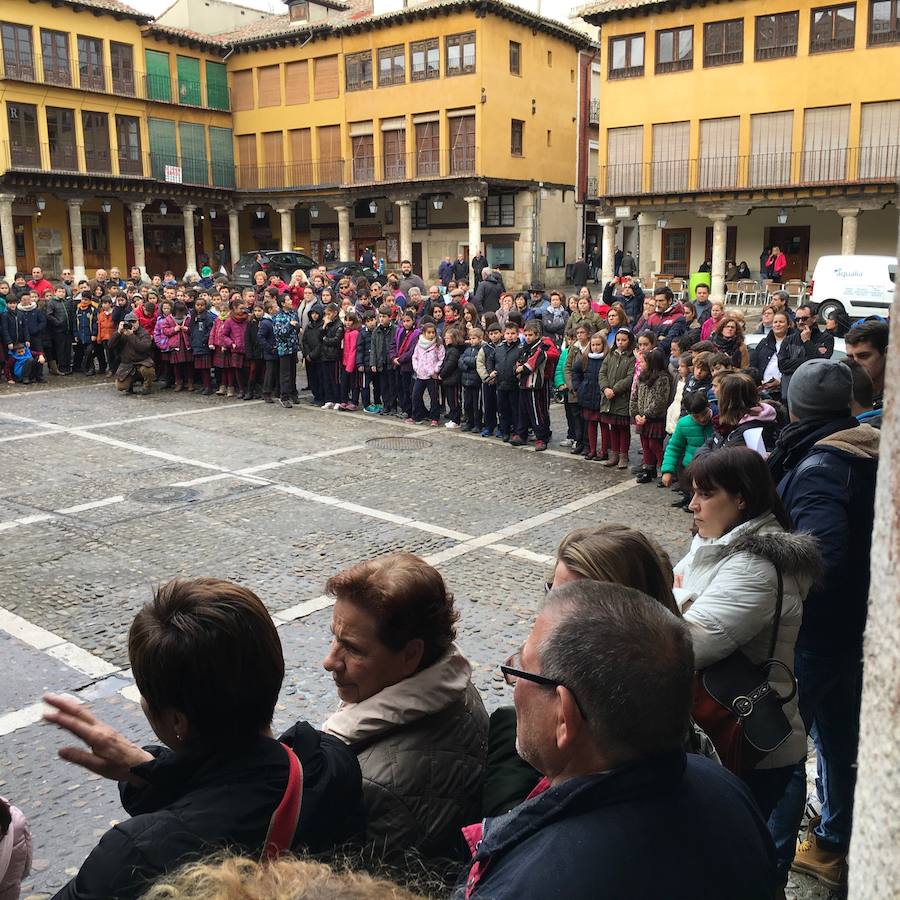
(106, 496)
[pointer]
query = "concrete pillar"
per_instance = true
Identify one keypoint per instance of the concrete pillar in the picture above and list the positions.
(474, 204)
(849, 228)
(137, 236)
(77, 238)
(287, 227)
(647, 238)
(343, 213)
(609, 249)
(190, 247)
(405, 229)
(875, 845)
(234, 235)
(8, 235)
(525, 251)
(719, 241)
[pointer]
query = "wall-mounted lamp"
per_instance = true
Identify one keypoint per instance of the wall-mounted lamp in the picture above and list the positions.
(314, 212)
(782, 217)
(662, 222)
(106, 206)
(438, 203)
(163, 209)
(40, 203)
(373, 207)
(212, 213)
(260, 213)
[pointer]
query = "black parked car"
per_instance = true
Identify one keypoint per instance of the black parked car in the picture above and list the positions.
(277, 262)
(337, 270)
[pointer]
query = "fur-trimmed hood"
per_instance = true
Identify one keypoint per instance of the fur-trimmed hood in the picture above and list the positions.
(796, 553)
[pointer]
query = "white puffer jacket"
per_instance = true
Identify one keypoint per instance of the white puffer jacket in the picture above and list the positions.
(728, 589)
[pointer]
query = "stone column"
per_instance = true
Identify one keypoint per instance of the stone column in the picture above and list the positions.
(343, 213)
(137, 236)
(234, 235)
(190, 247)
(647, 238)
(474, 204)
(405, 229)
(719, 241)
(609, 249)
(77, 238)
(849, 227)
(287, 227)
(8, 235)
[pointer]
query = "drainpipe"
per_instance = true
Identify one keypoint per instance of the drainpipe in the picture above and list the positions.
(535, 234)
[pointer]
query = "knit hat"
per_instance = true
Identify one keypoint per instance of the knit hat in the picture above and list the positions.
(820, 389)
(206, 271)
(129, 318)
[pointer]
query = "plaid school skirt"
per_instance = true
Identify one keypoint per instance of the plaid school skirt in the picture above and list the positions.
(653, 428)
(203, 361)
(182, 355)
(227, 359)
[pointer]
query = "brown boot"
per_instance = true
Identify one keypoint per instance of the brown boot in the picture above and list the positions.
(623, 462)
(826, 866)
(229, 392)
(190, 386)
(221, 391)
(54, 368)
(613, 459)
(178, 387)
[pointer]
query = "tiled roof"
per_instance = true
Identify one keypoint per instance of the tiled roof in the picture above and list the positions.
(110, 6)
(184, 34)
(595, 13)
(359, 16)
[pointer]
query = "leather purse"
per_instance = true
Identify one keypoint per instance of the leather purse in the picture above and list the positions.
(739, 709)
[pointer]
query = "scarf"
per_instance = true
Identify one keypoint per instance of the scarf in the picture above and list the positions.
(85, 304)
(27, 307)
(405, 702)
(726, 345)
(426, 344)
(798, 438)
(239, 315)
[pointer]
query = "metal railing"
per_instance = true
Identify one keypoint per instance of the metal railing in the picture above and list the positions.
(122, 82)
(594, 112)
(768, 170)
(69, 159)
(592, 186)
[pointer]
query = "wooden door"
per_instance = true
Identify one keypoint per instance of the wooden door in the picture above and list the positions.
(417, 257)
(676, 252)
(794, 243)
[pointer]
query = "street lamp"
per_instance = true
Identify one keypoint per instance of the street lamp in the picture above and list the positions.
(373, 207)
(106, 206)
(782, 217)
(163, 209)
(260, 213)
(662, 222)
(212, 212)
(40, 203)
(314, 211)
(438, 202)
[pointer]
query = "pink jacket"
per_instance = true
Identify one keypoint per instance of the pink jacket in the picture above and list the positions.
(428, 359)
(707, 328)
(175, 339)
(15, 855)
(233, 332)
(351, 338)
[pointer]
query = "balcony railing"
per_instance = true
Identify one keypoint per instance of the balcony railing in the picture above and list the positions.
(771, 170)
(592, 186)
(395, 167)
(594, 112)
(121, 82)
(69, 159)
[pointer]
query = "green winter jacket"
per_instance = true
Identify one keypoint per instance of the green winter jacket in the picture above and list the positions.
(687, 438)
(617, 372)
(559, 376)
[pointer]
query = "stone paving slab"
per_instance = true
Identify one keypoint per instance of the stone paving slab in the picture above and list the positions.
(28, 673)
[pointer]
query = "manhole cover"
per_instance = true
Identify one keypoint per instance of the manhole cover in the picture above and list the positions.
(398, 443)
(165, 495)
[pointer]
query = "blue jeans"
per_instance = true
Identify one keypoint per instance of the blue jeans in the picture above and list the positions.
(829, 693)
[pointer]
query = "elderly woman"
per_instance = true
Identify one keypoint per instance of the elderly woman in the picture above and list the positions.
(207, 660)
(408, 707)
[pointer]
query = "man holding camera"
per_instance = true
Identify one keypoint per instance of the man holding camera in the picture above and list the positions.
(134, 347)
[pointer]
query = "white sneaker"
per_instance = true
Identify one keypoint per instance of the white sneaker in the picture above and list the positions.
(568, 442)
(451, 424)
(327, 406)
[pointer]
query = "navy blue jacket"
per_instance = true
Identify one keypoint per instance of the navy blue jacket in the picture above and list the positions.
(363, 348)
(830, 493)
(199, 332)
(37, 325)
(506, 357)
(14, 327)
(265, 337)
(588, 838)
(586, 381)
(467, 369)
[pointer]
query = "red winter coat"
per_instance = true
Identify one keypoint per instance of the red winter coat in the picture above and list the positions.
(148, 323)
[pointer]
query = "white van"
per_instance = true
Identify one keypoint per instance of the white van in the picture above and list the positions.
(858, 285)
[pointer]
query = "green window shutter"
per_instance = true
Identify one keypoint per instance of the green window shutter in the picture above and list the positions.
(163, 149)
(188, 80)
(216, 86)
(221, 153)
(159, 82)
(193, 154)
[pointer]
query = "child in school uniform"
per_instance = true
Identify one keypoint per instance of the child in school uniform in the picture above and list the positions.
(486, 364)
(531, 370)
(471, 381)
(427, 359)
(506, 357)
(311, 348)
(85, 334)
(381, 370)
(233, 347)
(256, 364)
(200, 330)
(402, 349)
(648, 406)
(450, 376)
(363, 372)
(332, 342)
(586, 387)
(265, 336)
(616, 378)
(349, 370)
(176, 331)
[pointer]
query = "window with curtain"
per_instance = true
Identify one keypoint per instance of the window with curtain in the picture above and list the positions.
(462, 144)
(55, 51)
(624, 159)
(394, 148)
(770, 148)
(826, 131)
(669, 167)
(626, 56)
(719, 152)
(90, 64)
(95, 128)
(362, 146)
(674, 50)
(879, 140)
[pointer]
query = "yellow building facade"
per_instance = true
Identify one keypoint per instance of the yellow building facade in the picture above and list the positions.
(419, 133)
(728, 128)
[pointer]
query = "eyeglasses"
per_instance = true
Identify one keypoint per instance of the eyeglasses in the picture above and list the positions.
(512, 671)
(801, 318)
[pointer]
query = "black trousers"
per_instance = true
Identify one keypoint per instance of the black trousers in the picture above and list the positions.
(488, 406)
(405, 382)
(62, 350)
(472, 406)
(420, 386)
(287, 376)
(508, 411)
(453, 396)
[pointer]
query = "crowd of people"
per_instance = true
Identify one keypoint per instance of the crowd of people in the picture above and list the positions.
(774, 454)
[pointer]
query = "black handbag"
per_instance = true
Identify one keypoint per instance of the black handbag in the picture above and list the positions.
(739, 709)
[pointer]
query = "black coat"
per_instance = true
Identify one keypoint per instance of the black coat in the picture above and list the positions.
(580, 273)
(332, 341)
(582, 838)
(763, 352)
(200, 330)
(506, 357)
(311, 342)
(460, 269)
(487, 296)
(467, 367)
(14, 327)
(449, 372)
(795, 351)
(479, 262)
(193, 804)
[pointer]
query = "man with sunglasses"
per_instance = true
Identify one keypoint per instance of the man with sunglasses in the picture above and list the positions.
(805, 342)
(603, 689)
